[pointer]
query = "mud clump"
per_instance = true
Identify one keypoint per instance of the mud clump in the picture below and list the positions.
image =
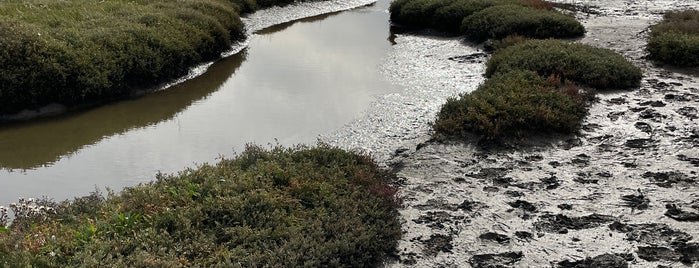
(604, 260)
(493, 236)
(437, 243)
(438, 219)
(689, 112)
(559, 223)
(640, 143)
(667, 179)
(658, 253)
(524, 205)
(506, 259)
(651, 233)
(676, 213)
(636, 201)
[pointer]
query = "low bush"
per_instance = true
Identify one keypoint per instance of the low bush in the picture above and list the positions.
(80, 52)
(500, 21)
(511, 104)
(675, 39)
(583, 64)
(447, 15)
(284, 207)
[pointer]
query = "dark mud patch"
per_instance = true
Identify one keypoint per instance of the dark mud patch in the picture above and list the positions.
(685, 253)
(640, 143)
(668, 178)
(677, 213)
(439, 219)
(559, 223)
(604, 260)
(437, 243)
(523, 205)
(470, 58)
(651, 233)
(506, 259)
(495, 237)
(635, 201)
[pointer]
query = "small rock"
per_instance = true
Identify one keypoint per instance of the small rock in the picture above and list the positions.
(524, 205)
(640, 143)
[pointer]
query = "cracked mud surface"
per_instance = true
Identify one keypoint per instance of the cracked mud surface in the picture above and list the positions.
(624, 192)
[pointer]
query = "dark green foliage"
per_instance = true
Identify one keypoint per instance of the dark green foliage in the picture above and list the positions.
(583, 64)
(512, 104)
(81, 52)
(447, 15)
(675, 40)
(297, 207)
(500, 21)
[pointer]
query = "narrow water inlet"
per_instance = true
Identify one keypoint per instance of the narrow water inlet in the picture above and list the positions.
(293, 83)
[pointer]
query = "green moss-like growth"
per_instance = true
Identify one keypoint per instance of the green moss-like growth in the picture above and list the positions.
(675, 40)
(299, 207)
(511, 104)
(500, 21)
(533, 18)
(583, 64)
(81, 52)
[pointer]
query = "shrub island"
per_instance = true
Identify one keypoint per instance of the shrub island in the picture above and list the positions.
(675, 40)
(284, 207)
(533, 87)
(83, 52)
(487, 19)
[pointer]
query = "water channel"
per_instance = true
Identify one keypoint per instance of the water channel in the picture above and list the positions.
(294, 82)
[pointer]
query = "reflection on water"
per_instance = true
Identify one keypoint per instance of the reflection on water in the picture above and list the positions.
(294, 82)
(35, 144)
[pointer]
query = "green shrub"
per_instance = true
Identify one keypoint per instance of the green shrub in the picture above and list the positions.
(675, 40)
(512, 104)
(500, 21)
(447, 15)
(284, 207)
(583, 64)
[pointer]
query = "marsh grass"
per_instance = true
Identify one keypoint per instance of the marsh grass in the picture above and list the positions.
(512, 104)
(583, 64)
(675, 39)
(281, 207)
(500, 21)
(77, 52)
(524, 17)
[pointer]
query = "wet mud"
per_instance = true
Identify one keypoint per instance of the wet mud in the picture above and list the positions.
(623, 192)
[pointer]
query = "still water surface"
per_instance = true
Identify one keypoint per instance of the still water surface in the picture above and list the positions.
(293, 83)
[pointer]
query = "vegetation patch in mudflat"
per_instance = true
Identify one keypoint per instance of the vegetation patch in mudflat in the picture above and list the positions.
(583, 64)
(500, 21)
(511, 104)
(283, 207)
(483, 19)
(85, 52)
(675, 40)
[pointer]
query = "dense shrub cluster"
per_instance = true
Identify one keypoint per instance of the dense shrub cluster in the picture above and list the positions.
(583, 64)
(500, 21)
(298, 207)
(675, 39)
(77, 52)
(532, 87)
(510, 104)
(482, 19)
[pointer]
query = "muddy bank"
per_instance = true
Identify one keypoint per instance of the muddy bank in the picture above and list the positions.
(624, 192)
